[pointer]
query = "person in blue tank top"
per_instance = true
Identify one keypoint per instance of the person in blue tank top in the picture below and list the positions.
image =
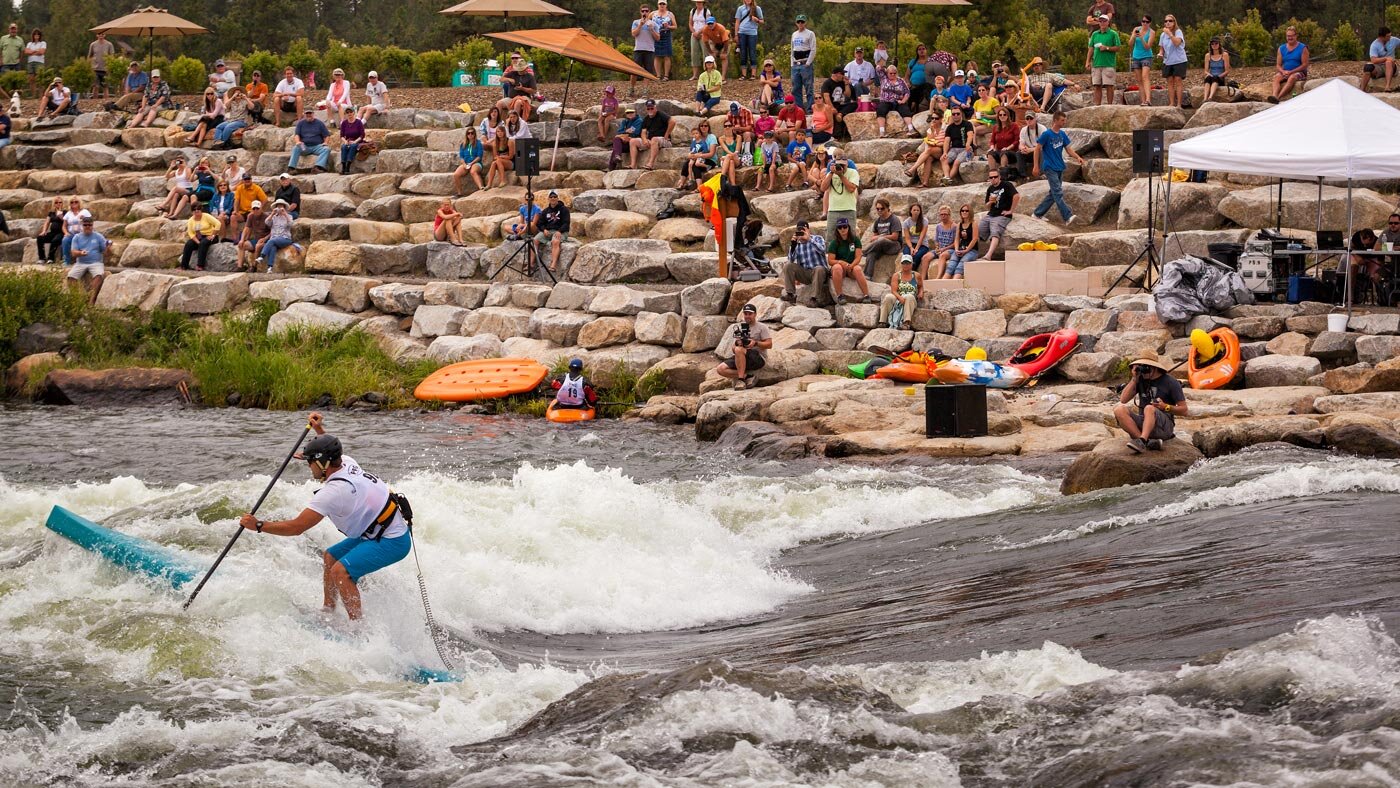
(375, 520)
(1292, 69)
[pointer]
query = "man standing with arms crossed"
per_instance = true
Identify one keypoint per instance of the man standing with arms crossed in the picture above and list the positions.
(804, 55)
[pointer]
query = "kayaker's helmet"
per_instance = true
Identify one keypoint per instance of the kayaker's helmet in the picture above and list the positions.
(322, 449)
(976, 354)
(576, 365)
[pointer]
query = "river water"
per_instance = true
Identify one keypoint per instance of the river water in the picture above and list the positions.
(631, 608)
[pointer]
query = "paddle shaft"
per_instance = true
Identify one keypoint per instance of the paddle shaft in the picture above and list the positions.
(241, 529)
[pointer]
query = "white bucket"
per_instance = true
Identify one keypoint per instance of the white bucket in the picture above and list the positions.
(1337, 323)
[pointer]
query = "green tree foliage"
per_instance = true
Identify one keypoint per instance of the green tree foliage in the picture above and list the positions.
(1252, 41)
(79, 76)
(954, 38)
(1067, 48)
(434, 68)
(1198, 38)
(1346, 45)
(301, 57)
(1309, 32)
(398, 64)
(186, 75)
(263, 61)
(474, 52)
(985, 49)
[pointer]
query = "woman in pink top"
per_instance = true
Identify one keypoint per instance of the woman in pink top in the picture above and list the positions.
(447, 224)
(338, 95)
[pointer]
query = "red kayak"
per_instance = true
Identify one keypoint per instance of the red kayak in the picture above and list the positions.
(1042, 352)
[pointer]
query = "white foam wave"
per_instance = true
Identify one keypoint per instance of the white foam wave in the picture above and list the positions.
(1301, 481)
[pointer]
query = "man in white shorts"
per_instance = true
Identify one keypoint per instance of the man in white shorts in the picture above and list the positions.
(88, 249)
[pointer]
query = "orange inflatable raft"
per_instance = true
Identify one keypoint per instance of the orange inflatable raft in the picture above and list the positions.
(490, 378)
(561, 415)
(1220, 367)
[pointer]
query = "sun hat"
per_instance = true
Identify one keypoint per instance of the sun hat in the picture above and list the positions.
(257, 203)
(285, 176)
(278, 201)
(155, 72)
(1148, 358)
(1035, 61)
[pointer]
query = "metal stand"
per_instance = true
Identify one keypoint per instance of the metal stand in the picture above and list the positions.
(1149, 251)
(531, 265)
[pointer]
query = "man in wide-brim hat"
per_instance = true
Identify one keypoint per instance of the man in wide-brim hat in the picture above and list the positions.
(1159, 400)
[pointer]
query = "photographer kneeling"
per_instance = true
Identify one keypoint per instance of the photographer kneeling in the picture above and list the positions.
(750, 341)
(1159, 400)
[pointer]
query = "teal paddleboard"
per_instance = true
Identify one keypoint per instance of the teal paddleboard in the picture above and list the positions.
(144, 557)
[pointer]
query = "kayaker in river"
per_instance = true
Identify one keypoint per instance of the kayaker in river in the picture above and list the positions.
(375, 520)
(1160, 400)
(573, 390)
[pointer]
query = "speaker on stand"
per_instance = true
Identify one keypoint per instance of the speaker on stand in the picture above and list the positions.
(527, 157)
(527, 163)
(1148, 159)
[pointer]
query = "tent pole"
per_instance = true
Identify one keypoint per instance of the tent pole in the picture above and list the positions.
(559, 124)
(1167, 216)
(896, 36)
(1318, 230)
(1278, 208)
(1351, 263)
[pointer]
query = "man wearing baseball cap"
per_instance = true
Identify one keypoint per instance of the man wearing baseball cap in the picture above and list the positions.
(254, 233)
(804, 56)
(1159, 399)
(551, 226)
(746, 346)
(717, 42)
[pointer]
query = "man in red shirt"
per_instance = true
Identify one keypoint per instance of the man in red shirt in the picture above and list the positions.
(790, 118)
(742, 121)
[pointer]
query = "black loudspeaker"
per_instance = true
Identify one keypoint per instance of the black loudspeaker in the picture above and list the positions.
(955, 411)
(1147, 151)
(527, 157)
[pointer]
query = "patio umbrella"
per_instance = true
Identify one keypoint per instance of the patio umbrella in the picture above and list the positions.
(897, 4)
(150, 22)
(579, 46)
(505, 8)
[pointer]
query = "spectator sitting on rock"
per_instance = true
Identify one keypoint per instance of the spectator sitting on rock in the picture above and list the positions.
(72, 225)
(821, 125)
(238, 113)
(181, 179)
(915, 240)
(699, 158)
(1368, 267)
(49, 241)
(352, 135)
(860, 74)
(772, 154)
(843, 257)
(764, 123)
(727, 152)
(447, 224)
(962, 145)
(797, 153)
(607, 112)
(551, 226)
(770, 84)
(201, 232)
(1001, 201)
(5, 125)
(742, 121)
(256, 91)
(376, 97)
(806, 264)
(245, 194)
(338, 98)
(1391, 233)
(279, 233)
(965, 246)
(709, 87)
(87, 249)
(1292, 69)
(961, 94)
(930, 152)
(894, 97)
(983, 112)
(945, 239)
(211, 114)
(132, 88)
(837, 92)
(502, 150)
(1004, 141)
(288, 97)
(473, 159)
(1382, 59)
(252, 236)
(289, 194)
(790, 118)
(628, 129)
(1159, 400)
(1217, 68)
(222, 80)
(750, 341)
(309, 138)
(906, 288)
(656, 134)
(885, 236)
(518, 86)
(221, 208)
(58, 100)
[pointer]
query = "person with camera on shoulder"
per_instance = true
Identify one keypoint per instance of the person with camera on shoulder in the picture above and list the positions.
(1159, 399)
(750, 341)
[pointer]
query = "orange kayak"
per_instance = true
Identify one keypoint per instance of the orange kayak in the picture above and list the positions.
(1219, 371)
(561, 415)
(490, 378)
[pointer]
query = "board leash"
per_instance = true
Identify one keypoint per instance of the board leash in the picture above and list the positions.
(436, 632)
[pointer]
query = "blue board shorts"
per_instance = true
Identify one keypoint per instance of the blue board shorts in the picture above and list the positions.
(362, 556)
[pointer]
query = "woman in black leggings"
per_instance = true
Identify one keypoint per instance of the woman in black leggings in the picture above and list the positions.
(50, 238)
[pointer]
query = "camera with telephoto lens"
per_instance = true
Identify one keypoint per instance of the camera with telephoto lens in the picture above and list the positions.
(743, 336)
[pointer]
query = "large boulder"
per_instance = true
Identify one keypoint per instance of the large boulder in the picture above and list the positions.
(706, 298)
(1088, 201)
(141, 289)
(397, 298)
(985, 324)
(1194, 206)
(208, 295)
(351, 293)
(96, 156)
(501, 321)
(684, 372)
(448, 261)
(1122, 118)
(333, 257)
(618, 259)
(1280, 370)
(605, 331)
(141, 253)
(784, 210)
(1088, 367)
(127, 386)
(450, 350)
(1216, 113)
(436, 320)
(307, 315)
(763, 441)
(290, 291)
(634, 359)
(1113, 464)
(1255, 207)
(1218, 439)
(660, 328)
(605, 224)
(558, 325)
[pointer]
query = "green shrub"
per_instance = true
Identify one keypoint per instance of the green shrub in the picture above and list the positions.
(1345, 43)
(262, 61)
(433, 68)
(398, 64)
(1392, 17)
(473, 53)
(1033, 40)
(14, 80)
(549, 66)
(116, 69)
(1198, 38)
(301, 57)
(954, 38)
(78, 76)
(1068, 47)
(186, 75)
(339, 55)
(1309, 32)
(131, 336)
(985, 49)
(34, 297)
(1253, 43)
(829, 55)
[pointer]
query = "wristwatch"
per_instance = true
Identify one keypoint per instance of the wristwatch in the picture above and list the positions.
(260, 525)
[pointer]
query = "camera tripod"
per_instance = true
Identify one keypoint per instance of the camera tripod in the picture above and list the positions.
(531, 265)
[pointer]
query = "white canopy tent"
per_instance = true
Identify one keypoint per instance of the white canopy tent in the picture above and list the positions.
(1332, 132)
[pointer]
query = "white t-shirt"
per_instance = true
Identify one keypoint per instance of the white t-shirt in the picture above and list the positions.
(60, 95)
(351, 499)
(222, 82)
(290, 87)
(233, 175)
(376, 91)
(38, 48)
(74, 221)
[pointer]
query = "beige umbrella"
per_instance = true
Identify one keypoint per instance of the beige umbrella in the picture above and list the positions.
(897, 4)
(150, 22)
(505, 8)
